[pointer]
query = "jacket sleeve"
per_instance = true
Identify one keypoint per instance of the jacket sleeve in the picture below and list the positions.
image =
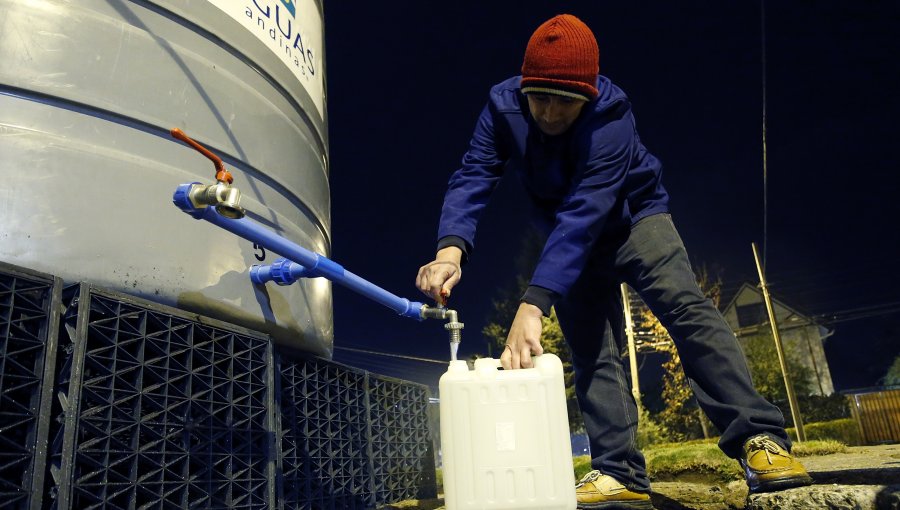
(470, 187)
(604, 154)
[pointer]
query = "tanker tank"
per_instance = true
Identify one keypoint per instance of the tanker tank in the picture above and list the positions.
(89, 91)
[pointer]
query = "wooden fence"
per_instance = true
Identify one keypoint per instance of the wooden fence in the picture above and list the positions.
(877, 412)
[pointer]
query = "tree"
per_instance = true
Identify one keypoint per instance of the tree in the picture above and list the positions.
(892, 377)
(765, 369)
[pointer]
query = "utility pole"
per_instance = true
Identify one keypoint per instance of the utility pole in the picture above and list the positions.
(632, 349)
(792, 399)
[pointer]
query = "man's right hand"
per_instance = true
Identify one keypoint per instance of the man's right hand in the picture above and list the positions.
(524, 338)
(438, 277)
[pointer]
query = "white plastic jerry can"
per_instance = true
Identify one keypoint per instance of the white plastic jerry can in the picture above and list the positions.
(505, 437)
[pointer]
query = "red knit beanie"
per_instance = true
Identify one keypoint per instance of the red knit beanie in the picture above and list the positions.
(562, 58)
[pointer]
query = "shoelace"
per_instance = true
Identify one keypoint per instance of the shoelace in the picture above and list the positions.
(588, 478)
(765, 444)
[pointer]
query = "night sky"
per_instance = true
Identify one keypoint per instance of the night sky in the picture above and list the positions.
(406, 81)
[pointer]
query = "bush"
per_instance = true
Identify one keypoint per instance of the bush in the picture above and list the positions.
(649, 431)
(844, 430)
(816, 408)
(819, 408)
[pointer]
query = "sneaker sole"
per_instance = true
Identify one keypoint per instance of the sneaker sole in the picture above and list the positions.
(617, 505)
(777, 485)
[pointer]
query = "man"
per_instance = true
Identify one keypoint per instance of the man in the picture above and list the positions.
(569, 134)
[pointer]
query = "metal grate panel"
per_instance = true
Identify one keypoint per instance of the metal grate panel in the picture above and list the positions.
(164, 409)
(324, 439)
(28, 325)
(402, 453)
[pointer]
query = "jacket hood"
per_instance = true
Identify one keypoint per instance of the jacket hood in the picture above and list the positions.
(610, 94)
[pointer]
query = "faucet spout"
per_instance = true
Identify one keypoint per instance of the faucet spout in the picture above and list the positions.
(453, 326)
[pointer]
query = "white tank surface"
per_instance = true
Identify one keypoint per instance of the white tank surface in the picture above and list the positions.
(505, 437)
(89, 91)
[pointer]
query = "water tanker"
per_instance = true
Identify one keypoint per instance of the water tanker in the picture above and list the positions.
(89, 91)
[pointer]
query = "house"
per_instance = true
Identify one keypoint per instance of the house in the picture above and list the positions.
(747, 316)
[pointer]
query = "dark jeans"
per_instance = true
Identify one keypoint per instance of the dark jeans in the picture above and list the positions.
(651, 258)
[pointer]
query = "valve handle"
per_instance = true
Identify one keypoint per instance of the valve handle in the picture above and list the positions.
(222, 175)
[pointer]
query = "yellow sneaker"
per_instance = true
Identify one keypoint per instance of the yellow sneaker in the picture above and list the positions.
(599, 491)
(769, 467)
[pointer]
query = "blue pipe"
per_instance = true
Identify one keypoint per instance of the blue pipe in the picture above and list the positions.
(314, 264)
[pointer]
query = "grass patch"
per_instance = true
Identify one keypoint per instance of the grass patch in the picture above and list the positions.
(695, 461)
(816, 447)
(702, 461)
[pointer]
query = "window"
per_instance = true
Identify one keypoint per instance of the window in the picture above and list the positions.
(753, 314)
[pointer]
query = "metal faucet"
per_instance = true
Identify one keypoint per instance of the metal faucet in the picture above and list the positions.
(453, 326)
(221, 195)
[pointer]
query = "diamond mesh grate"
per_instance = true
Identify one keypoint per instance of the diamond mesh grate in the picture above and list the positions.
(27, 329)
(165, 411)
(402, 455)
(325, 461)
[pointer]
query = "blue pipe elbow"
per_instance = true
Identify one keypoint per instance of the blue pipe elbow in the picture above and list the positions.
(182, 199)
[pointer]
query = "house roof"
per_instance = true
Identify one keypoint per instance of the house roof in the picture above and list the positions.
(783, 311)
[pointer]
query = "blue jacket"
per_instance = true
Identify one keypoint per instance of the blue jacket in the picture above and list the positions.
(595, 178)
